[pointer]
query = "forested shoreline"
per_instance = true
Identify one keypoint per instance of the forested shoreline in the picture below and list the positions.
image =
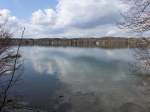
(105, 42)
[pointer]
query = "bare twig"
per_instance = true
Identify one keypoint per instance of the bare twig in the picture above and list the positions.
(12, 81)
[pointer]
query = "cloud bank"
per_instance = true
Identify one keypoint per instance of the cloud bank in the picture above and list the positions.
(78, 18)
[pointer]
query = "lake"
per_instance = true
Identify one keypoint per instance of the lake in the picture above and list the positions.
(81, 80)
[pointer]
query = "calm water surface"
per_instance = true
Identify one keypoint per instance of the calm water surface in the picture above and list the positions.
(81, 80)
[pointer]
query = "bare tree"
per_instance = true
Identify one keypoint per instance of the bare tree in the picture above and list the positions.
(137, 19)
(8, 66)
(138, 16)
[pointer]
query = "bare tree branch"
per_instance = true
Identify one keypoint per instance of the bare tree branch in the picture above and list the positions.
(8, 65)
(137, 19)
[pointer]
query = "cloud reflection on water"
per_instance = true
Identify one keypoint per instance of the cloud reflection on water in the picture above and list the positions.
(83, 72)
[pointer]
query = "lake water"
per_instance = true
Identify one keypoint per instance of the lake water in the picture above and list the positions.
(81, 80)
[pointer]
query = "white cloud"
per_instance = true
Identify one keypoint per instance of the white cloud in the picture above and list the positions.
(5, 16)
(79, 13)
(77, 18)
(10, 22)
(86, 13)
(73, 18)
(44, 17)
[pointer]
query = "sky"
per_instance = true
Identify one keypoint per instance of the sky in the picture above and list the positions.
(24, 8)
(64, 18)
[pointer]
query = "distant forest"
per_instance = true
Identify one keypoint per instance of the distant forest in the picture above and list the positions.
(105, 42)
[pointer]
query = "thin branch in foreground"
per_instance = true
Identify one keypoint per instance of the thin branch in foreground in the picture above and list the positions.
(10, 84)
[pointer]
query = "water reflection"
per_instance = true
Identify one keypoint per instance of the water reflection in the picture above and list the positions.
(81, 80)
